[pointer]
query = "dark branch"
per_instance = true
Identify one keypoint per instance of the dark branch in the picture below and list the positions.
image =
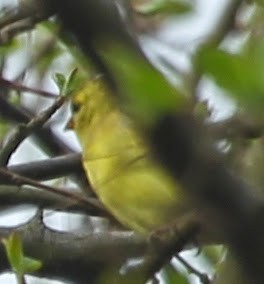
(50, 168)
(19, 180)
(22, 88)
(60, 252)
(21, 18)
(52, 144)
(14, 195)
(193, 162)
(22, 131)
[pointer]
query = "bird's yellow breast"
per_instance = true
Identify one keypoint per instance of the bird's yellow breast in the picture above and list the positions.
(131, 185)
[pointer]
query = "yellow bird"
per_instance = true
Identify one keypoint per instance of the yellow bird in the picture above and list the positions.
(131, 185)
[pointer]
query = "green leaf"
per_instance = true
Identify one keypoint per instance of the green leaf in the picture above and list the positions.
(51, 26)
(19, 263)
(68, 84)
(164, 7)
(13, 246)
(146, 90)
(11, 46)
(31, 265)
(230, 71)
(72, 83)
(60, 80)
(240, 75)
(214, 253)
(171, 276)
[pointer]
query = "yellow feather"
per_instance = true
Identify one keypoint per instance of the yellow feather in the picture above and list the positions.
(134, 188)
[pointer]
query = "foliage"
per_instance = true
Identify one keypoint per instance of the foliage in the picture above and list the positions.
(163, 7)
(147, 96)
(19, 263)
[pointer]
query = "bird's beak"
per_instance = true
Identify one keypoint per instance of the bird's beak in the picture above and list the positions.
(70, 124)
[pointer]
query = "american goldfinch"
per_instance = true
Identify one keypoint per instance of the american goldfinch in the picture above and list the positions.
(131, 185)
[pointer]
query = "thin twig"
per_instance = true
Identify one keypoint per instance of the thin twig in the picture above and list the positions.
(202, 276)
(10, 31)
(22, 131)
(21, 88)
(237, 126)
(11, 195)
(50, 142)
(20, 180)
(23, 17)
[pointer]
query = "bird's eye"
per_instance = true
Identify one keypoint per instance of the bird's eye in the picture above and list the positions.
(76, 107)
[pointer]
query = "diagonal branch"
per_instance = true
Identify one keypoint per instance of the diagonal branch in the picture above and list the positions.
(23, 17)
(91, 203)
(23, 131)
(52, 144)
(15, 195)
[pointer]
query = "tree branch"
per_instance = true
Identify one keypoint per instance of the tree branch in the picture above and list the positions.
(204, 176)
(237, 126)
(50, 142)
(60, 252)
(45, 136)
(23, 131)
(50, 168)
(15, 195)
(22, 18)
(22, 88)
(91, 203)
